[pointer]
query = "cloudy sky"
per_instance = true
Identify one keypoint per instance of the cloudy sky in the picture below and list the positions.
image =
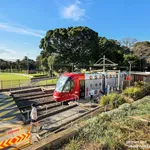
(24, 22)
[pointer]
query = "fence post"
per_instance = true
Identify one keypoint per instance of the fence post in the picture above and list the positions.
(1, 84)
(46, 82)
(19, 83)
(11, 85)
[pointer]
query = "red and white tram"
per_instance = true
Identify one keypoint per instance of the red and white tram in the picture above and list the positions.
(71, 85)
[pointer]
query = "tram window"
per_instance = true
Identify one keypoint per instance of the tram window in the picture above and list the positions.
(68, 86)
(60, 83)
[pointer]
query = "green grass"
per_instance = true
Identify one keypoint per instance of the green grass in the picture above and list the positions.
(39, 75)
(8, 80)
(46, 82)
(111, 130)
(11, 76)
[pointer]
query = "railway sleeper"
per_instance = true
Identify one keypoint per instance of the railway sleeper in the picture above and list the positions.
(28, 94)
(29, 106)
(33, 97)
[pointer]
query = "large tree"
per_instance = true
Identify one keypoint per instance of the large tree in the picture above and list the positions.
(77, 45)
(111, 49)
(132, 59)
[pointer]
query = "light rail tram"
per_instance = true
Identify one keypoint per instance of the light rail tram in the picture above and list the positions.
(79, 85)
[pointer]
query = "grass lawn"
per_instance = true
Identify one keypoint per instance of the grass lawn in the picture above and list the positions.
(8, 80)
(46, 82)
(11, 80)
(38, 75)
(13, 76)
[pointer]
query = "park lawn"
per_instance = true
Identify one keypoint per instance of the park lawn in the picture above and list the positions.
(38, 75)
(8, 80)
(12, 80)
(47, 82)
(12, 76)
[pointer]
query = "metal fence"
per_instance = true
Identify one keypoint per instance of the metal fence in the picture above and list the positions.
(19, 84)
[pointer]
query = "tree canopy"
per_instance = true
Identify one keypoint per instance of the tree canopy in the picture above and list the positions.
(18, 65)
(82, 45)
(72, 45)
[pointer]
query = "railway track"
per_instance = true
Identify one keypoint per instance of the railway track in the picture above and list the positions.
(51, 115)
(37, 96)
(46, 106)
(33, 97)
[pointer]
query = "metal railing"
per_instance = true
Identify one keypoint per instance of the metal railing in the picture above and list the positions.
(19, 84)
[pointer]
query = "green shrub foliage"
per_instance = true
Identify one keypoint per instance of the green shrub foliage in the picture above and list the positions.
(139, 89)
(113, 100)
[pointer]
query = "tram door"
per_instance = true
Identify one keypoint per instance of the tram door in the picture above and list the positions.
(82, 88)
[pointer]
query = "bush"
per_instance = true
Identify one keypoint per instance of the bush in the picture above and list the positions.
(139, 84)
(113, 100)
(104, 100)
(147, 87)
(133, 92)
(139, 89)
(144, 86)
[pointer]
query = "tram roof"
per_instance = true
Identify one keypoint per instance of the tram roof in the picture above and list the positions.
(141, 73)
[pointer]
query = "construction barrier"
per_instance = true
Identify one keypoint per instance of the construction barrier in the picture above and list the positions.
(14, 140)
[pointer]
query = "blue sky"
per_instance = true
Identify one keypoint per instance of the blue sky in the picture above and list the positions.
(24, 22)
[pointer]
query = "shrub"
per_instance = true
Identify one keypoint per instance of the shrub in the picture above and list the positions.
(104, 100)
(139, 84)
(147, 87)
(113, 100)
(133, 92)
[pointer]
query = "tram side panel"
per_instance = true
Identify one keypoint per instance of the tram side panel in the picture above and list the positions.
(93, 82)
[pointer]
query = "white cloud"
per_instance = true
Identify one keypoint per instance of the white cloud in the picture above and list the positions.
(7, 51)
(21, 30)
(73, 11)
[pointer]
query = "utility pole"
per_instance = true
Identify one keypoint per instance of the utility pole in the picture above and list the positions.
(119, 80)
(90, 69)
(130, 63)
(104, 63)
